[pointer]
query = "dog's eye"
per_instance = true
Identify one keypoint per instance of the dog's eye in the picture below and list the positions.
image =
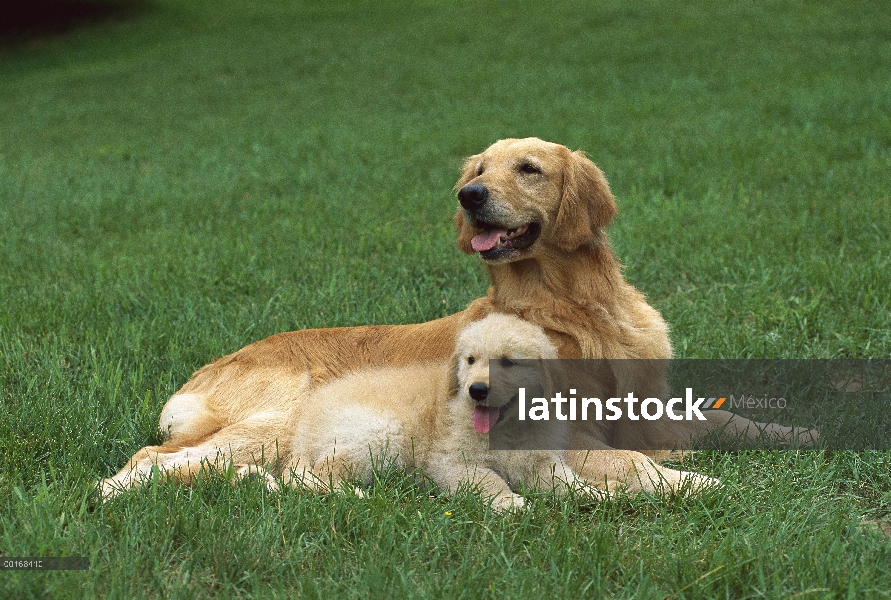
(529, 168)
(506, 362)
(470, 360)
(479, 170)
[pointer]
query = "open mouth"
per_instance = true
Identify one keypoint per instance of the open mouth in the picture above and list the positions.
(486, 417)
(496, 242)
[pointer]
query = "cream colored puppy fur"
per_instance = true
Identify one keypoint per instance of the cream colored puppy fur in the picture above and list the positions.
(420, 417)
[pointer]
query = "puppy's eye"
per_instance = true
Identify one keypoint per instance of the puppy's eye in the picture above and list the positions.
(506, 362)
(479, 170)
(528, 168)
(470, 360)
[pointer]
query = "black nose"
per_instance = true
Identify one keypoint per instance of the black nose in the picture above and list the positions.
(473, 195)
(479, 391)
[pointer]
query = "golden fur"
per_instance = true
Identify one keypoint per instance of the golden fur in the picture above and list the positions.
(567, 281)
(419, 417)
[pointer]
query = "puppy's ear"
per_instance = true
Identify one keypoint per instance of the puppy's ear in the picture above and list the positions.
(547, 378)
(550, 376)
(452, 377)
(465, 231)
(586, 204)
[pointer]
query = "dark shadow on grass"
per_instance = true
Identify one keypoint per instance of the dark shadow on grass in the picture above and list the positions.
(26, 20)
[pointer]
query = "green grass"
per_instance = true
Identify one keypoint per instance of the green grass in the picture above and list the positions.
(201, 175)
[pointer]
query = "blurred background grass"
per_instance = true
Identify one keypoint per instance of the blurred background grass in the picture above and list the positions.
(178, 180)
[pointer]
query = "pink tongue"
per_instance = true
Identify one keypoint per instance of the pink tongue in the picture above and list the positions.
(484, 418)
(487, 240)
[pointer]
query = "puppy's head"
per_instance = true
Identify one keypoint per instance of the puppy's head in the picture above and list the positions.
(520, 196)
(502, 338)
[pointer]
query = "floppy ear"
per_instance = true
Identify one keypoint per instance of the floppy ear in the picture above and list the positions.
(586, 203)
(465, 231)
(552, 376)
(452, 376)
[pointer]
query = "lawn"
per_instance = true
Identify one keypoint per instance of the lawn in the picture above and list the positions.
(186, 178)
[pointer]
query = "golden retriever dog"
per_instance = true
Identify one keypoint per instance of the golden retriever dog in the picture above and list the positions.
(436, 417)
(535, 214)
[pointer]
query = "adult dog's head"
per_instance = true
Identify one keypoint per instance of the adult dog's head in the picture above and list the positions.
(520, 198)
(504, 339)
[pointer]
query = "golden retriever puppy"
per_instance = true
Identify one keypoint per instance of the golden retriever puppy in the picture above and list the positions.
(434, 417)
(534, 212)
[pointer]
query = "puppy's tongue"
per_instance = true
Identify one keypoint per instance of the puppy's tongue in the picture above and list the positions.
(484, 418)
(487, 239)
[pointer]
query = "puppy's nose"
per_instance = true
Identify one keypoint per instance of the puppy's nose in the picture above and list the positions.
(479, 391)
(473, 195)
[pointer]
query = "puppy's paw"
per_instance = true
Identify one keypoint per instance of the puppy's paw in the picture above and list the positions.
(594, 493)
(508, 502)
(696, 483)
(259, 473)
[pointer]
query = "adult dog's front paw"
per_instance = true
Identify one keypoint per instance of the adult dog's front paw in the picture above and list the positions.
(805, 436)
